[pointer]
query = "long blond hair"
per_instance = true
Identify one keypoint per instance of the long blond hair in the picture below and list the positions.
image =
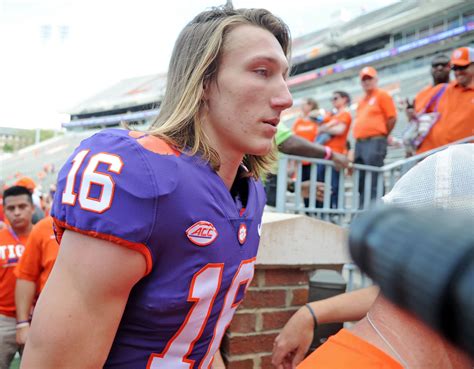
(194, 63)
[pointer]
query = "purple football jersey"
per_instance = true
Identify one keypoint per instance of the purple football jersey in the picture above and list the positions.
(199, 243)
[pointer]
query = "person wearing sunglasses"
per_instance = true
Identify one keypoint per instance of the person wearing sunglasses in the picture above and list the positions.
(334, 130)
(456, 105)
(440, 70)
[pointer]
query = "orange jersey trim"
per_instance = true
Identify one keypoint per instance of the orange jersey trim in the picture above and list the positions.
(140, 247)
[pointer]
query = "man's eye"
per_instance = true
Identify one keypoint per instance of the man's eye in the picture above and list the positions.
(262, 72)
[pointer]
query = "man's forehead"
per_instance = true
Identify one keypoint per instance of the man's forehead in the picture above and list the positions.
(246, 37)
(16, 200)
(440, 59)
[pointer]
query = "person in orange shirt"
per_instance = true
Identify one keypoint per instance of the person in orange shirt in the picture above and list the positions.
(304, 126)
(389, 338)
(337, 125)
(307, 128)
(18, 207)
(31, 186)
(375, 118)
(456, 106)
(33, 271)
(440, 69)
(2, 216)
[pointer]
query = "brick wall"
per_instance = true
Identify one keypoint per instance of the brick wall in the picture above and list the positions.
(273, 296)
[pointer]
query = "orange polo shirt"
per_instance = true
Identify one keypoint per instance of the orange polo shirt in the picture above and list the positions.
(372, 114)
(11, 251)
(456, 108)
(40, 254)
(346, 350)
(305, 128)
(424, 96)
(338, 143)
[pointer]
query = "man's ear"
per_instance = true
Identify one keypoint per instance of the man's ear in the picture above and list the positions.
(205, 89)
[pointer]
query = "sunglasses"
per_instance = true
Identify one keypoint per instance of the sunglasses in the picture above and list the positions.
(460, 67)
(442, 65)
(334, 98)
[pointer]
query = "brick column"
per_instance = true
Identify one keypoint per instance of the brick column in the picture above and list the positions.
(272, 298)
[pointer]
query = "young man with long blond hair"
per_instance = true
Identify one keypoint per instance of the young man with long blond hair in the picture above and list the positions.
(159, 230)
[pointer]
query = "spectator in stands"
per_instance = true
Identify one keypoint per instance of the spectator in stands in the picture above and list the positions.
(32, 272)
(18, 205)
(375, 118)
(291, 144)
(31, 186)
(425, 101)
(2, 216)
(337, 125)
(442, 180)
(440, 69)
(307, 128)
(456, 105)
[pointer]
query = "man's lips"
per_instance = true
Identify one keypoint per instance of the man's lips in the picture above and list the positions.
(272, 121)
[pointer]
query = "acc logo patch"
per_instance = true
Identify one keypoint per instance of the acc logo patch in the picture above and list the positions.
(242, 234)
(202, 233)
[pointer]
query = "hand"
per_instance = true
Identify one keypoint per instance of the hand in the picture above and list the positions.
(319, 190)
(292, 344)
(22, 335)
(340, 161)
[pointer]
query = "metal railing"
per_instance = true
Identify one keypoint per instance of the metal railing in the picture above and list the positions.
(357, 191)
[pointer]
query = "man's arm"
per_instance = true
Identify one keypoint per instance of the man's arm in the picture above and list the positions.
(295, 145)
(80, 308)
(24, 295)
(391, 123)
(296, 336)
(334, 128)
(218, 362)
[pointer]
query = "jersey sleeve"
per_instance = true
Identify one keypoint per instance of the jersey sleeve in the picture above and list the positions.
(106, 190)
(283, 134)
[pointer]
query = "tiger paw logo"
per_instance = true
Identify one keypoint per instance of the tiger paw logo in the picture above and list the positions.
(202, 233)
(242, 233)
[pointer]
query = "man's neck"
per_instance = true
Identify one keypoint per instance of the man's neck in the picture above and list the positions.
(439, 81)
(23, 232)
(370, 92)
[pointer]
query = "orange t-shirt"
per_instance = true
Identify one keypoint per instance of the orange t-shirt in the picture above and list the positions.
(2, 216)
(306, 129)
(456, 108)
(372, 114)
(11, 250)
(40, 254)
(345, 350)
(338, 143)
(424, 96)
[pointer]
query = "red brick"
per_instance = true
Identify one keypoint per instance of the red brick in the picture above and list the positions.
(240, 364)
(286, 277)
(242, 345)
(258, 276)
(264, 298)
(300, 296)
(243, 323)
(276, 319)
(266, 362)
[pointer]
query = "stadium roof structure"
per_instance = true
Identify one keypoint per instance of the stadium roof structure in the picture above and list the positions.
(127, 93)
(385, 20)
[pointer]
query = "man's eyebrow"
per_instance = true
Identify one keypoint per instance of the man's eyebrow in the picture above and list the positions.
(271, 60)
